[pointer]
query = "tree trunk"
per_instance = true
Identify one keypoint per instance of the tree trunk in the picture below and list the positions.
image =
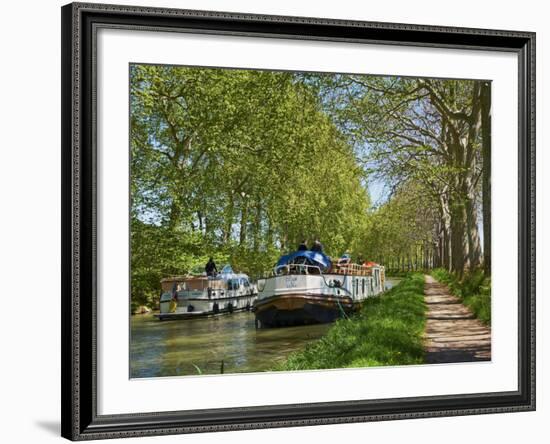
(244, 220)
(474, 244)
(486, 178)
(458, 236)
(175, 214)
(445, 215)
(228, 219)
(284, 239)
(435, 256)
(201, 225)
(257, 226)
(457, 209)
(268, 240)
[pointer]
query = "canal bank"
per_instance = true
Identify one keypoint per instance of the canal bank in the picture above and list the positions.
(386, 331)
(198, 346)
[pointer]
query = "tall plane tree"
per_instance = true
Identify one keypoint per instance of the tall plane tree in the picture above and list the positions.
(429, 131)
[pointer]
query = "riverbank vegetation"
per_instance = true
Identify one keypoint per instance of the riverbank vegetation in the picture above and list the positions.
(242, 165)
(474, 289)
(387, 331)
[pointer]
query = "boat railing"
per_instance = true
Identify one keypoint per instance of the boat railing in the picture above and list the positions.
(352, 269)
(285, 269)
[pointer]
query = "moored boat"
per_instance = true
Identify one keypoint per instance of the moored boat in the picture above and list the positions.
(306, 287)
(185, 297)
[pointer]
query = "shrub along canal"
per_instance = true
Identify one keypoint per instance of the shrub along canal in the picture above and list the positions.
(198, 346)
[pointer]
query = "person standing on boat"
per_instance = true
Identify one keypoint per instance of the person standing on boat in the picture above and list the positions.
(302, 246)
(345, 259)
(210, 268)
(317, 246)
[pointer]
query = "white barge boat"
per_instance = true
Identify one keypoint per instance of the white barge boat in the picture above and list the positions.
(305, 288)
(185, 297)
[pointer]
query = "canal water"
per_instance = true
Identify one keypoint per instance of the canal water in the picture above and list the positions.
(203, 346)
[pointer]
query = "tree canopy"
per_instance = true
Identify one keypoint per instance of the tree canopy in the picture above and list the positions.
(235, 164)
(242, 165)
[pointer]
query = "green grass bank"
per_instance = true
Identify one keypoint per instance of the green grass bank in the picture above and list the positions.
(386, 331)
(474, 290)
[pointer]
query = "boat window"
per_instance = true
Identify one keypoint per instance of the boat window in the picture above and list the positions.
(363, 286)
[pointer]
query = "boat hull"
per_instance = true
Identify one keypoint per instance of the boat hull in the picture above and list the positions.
(290, 298)
(300, 309)
(200, 307)
(198, 315)
(190, 297)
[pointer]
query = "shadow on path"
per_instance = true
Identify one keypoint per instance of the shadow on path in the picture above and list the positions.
(452, 334)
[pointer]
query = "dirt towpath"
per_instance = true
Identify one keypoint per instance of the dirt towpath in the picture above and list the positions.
(452, 333)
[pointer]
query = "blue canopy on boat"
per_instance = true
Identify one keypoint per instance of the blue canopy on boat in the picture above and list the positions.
(227, 269)
(315, 257)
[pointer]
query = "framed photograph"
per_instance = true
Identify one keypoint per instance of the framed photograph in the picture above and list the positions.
(280, 221)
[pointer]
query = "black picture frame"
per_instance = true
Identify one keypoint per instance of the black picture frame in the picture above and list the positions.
(79, 389)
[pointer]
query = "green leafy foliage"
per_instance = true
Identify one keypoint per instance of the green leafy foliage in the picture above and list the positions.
(474, 289)
(242, 165)
(400, 231)
(239, 165)
(426, 132)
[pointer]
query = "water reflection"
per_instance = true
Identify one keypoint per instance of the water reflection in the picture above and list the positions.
(198, 346)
